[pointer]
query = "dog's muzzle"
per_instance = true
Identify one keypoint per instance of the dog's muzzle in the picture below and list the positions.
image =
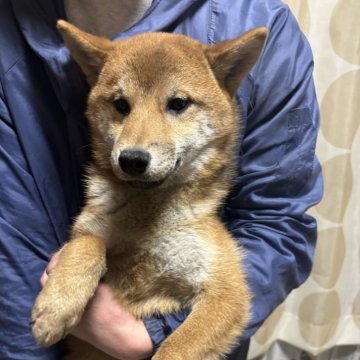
(134, 162)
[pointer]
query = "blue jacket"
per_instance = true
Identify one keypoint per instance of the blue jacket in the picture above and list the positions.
(43, 148)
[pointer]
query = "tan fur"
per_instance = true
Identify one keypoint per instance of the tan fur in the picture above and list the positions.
(165, 246)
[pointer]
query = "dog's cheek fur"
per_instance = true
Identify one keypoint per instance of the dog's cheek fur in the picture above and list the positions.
(196, 143)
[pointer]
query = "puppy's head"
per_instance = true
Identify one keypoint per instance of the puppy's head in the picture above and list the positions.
(161, 105)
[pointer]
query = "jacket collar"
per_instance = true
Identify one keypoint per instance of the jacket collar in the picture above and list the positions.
(37, 20)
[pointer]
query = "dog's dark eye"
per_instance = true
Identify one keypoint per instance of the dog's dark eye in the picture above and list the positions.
(178, 105)
(122, 106)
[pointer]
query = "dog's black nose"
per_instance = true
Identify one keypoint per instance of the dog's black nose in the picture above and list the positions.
(134, 161)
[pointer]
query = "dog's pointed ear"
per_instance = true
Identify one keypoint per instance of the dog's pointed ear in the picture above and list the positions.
(89, 51)
(231, 60)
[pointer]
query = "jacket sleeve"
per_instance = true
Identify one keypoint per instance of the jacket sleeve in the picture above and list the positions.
(25, 247)
(279, 177)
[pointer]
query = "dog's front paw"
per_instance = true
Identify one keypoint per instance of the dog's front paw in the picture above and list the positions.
(53, 318)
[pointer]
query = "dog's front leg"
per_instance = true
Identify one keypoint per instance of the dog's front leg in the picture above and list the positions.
(215, 322)
(60, 304)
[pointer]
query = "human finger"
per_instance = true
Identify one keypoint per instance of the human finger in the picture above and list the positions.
(50, 266)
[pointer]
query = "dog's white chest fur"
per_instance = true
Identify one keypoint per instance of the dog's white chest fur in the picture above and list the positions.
(183, 255)
(160, 231)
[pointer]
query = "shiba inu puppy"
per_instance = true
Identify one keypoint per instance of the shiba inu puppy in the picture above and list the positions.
(164, 127)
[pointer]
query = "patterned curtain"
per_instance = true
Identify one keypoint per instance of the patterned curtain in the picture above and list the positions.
(321, 319)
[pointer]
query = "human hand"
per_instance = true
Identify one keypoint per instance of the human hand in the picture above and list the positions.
(107, 326)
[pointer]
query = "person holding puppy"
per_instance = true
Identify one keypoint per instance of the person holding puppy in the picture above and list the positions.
(43, 151)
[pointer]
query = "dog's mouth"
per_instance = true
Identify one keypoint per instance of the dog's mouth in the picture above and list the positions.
(145, 184)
